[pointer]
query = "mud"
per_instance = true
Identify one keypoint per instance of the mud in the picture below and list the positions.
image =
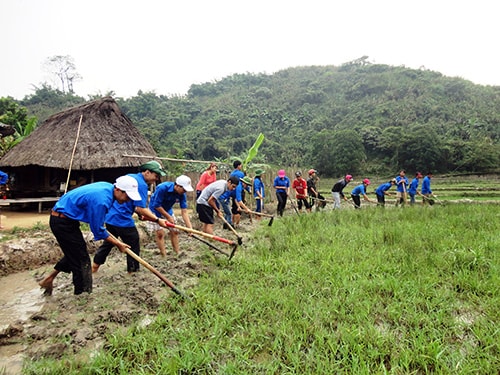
(36, 326)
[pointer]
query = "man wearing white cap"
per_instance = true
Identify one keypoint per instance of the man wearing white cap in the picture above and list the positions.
(89, 204)
(162, 200)
(120, 221)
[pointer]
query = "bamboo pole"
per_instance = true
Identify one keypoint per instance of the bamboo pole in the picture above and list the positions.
(73, 154)
(171, 159)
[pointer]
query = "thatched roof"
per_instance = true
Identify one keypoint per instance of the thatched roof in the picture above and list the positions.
(106, 134)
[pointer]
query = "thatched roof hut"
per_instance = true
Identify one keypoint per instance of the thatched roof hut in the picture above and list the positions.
(42, 161)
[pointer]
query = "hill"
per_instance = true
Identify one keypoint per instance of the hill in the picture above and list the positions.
(357, 117)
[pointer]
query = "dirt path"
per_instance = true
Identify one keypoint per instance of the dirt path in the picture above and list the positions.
(49, 327)
(11, 219)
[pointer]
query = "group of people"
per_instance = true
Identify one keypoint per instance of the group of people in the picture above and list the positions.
(109, 209)
(306, 192)
(404, 188)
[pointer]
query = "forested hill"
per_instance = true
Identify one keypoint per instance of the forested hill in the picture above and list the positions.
(359, 117)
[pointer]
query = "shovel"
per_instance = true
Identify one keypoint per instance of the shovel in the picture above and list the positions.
(209, 244)
(153, 270)
(232, 230)
(266, 215)
(438, 200)
(207, 235)
(294, 206)
(156, 272)
(321, 200)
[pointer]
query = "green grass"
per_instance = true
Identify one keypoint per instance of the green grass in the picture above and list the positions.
(471, 188)
(400, 291)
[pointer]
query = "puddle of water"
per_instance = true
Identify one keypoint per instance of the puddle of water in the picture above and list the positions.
(20, 297)
(11, 359)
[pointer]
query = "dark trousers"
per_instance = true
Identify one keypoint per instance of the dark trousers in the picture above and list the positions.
(259, 203)
(381, 200)
(357, 201)
(282, 197)
(76, 258)
(303, 201)
(129, 235)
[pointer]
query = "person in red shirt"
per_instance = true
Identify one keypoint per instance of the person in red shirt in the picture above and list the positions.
(300, 187)
(206, 178)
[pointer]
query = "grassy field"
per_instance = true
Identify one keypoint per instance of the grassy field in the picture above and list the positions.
(371, 291)
(448, 188)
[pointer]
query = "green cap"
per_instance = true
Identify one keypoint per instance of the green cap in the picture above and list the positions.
(259, 172)
(153, 166)
(247, 180)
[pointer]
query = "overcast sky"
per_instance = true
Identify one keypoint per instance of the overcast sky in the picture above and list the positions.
(165, 46)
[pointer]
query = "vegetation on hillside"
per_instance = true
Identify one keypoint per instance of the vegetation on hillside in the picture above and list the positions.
(358, 117)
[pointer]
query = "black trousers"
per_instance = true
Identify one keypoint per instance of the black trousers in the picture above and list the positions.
(282, 197)
(129, 235)
(357, 201)
(76, 259)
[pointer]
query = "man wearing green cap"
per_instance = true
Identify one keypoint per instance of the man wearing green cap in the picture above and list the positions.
(121, 224)
(239, 204)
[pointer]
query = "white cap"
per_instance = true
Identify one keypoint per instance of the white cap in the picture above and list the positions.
(129, 185)
(185, 182)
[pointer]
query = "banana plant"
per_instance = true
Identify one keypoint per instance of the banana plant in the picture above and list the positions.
(253, 151)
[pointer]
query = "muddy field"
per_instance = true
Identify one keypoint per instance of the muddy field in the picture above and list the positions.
(37, 326)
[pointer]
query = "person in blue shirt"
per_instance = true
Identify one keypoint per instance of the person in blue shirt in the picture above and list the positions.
(89, 204)
(239, 174)
(4, 177)
(358, 191)
(413, 187)
(238, 170)
(244, 185)
(382, 191)
(223, 202)
(282, 186)
(259, 191)
(401, 187)
(426, 189)
(162, 201)
(239, 199)
(120, 222)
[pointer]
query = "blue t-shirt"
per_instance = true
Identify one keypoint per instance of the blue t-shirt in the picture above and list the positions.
(401, 184)
(384, 187)
(412, 189)
(4, 177)
(165, 196)
(258, 185)
(281, 181)
(358, 190)
(120, 215)
(89, 204)
(426, 185)
(238, 173)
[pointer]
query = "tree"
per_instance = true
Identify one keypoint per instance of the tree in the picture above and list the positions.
(338, 152)
(63, 67)
(13, 114)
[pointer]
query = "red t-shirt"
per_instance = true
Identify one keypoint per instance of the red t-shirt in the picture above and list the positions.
(300, 186)
(205, 180)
